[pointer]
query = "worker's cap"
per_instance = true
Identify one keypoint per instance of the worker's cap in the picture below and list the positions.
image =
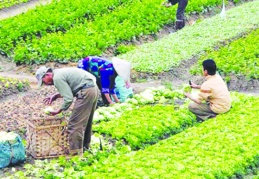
(122, 67)
(40, 73)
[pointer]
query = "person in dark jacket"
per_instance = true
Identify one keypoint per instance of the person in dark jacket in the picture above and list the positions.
(180, 19)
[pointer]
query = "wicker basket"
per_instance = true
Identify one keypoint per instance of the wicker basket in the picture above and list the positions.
(47, 138)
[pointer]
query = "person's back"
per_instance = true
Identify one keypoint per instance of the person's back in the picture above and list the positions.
(220, 100)
(105, 74)
(93, 64)
(75, 77)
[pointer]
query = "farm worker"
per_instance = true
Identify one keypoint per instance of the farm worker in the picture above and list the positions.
(70, 83)
(180, 19)
(213, 97)
(106, 72)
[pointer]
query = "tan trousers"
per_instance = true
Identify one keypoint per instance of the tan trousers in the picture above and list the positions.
(80, 122)
(202, 111)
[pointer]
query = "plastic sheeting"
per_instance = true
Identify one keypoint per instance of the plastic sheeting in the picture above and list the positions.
(12, 150)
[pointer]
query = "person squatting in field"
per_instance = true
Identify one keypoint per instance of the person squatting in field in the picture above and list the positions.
(213, 98)
(180, 18)
(70, 83)
(106, 72)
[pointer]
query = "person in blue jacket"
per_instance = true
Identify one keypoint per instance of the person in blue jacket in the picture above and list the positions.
(106, 72)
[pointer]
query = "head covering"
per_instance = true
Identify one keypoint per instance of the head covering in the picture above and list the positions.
(40, 74)
(122, 67)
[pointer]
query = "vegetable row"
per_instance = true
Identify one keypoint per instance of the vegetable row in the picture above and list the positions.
(9, 3)
(57, 16)
(9, 86)
(221, 147)
(167, 53)
(94, 37)
(218, 148)
(147, 125)
(239, 57)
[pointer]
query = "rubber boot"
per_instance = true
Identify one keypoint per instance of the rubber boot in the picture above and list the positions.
(179, 24)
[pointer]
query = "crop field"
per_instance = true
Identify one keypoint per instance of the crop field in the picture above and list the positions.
(152, 135)
(9, 3)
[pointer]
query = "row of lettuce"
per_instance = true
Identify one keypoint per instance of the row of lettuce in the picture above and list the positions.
(9, 86)
(218, 148)
(54, 17)
(10, 3)
(203, 36)
(239, 57)
(139, 123)
(38, 36)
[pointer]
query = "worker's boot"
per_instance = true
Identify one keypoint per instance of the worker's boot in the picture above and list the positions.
(179, 24)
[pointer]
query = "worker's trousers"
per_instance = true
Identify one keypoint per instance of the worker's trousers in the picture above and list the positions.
(180, 19)
(80, 122)
(202, 111)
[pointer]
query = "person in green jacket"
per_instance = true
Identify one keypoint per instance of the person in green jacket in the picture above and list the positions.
(73, 83)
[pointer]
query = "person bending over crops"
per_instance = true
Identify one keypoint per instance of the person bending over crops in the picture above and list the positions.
(70, 83)
(106, 72)
(213, 98)
(180, 19)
